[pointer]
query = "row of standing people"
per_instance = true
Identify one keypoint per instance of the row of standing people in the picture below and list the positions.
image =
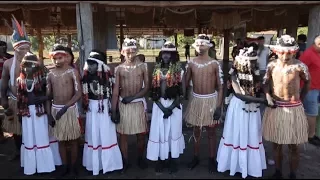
(122, 97)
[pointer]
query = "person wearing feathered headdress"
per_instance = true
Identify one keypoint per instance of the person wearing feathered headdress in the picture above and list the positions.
(21, 45)
(166, 91)
(287, 123)
(128, 102)
(31, 99)
(204, 107)
(101, 150)
(63, 84)
(242, 126)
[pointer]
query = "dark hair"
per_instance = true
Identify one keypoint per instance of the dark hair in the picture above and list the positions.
(174, 56)
(58, 47)
(2, 43)
(69, 51)
(103, 55)
(260, 38)
(302, 37)
(141, 57)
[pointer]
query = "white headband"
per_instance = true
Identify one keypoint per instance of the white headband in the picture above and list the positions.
(202, 42)
(57, 52)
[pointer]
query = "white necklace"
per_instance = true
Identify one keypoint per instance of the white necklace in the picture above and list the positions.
(32, 86)
(95, 92)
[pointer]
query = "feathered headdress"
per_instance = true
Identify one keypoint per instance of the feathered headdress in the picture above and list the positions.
(202, 39)
(168, 46)
(285, 43)
(19, 36)
(129, 44)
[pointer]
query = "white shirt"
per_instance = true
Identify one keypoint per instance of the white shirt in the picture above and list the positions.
(263, 58)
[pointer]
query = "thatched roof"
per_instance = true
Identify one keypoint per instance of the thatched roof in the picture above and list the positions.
(216, 15)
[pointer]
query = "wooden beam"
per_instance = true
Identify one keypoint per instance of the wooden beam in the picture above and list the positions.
(168, 3)
(85, 31)
(313, 24)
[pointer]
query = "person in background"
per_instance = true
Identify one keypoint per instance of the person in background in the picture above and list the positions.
(187, 51)
(311, 57)
(3, 57)
(212, 51)
(302, 39)
(236, 49)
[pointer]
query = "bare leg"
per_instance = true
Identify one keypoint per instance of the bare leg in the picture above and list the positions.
(74, 156)
(141, 148)
(312, 125)
(212, 149)
(293, 160)
(124, 151)
(195, 161)
(277, 149)
(17, 141)
(63, 155)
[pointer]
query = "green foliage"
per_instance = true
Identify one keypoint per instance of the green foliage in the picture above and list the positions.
(303, 30)
(48, 42)
(34, 43)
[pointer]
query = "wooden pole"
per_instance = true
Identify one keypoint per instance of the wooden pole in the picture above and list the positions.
(313, 24)
(69, 41)
(176, 40)
(293, 22)
(121, 34)
(40, 44)
(85, 30)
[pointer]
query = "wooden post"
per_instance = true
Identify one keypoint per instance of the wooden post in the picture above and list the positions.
(279, 33)
(313, 24)
(69, 40)
(100, 29)
(40, 44)
(121, 34)
(176, 40)
(293, 22)
(85, 30)
(226, 40)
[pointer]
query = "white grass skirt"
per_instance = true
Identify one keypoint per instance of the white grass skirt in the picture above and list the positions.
(165, 134)
(241, 149)
(36, 154)
(101, 150)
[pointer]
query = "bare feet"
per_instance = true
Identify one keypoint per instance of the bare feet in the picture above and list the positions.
(193, 163)
(212, 165)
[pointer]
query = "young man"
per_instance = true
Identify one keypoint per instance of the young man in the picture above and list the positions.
(204, 108)
(11, 70)
(3, 57)
(286, 124)
(36, 154)
(166, 139)
(63, 84)
(101, 150)
(241, 149)
(128, 102)
(311, 57)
